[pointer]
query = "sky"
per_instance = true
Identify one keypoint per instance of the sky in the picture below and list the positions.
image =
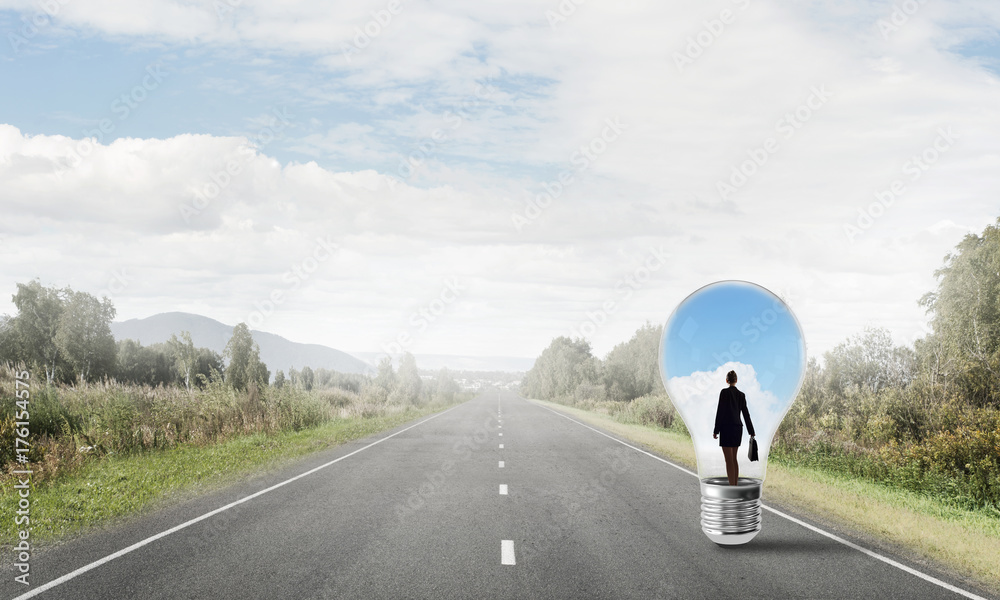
(696, 397)
(735, 321)
(478, 178)
(738, 326)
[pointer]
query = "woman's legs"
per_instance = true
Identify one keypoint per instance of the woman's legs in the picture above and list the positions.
(732, 468)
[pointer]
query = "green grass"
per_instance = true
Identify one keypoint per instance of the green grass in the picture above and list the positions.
(105, 490)
(962, 541)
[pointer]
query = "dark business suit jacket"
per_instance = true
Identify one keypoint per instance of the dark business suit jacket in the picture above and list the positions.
(732, 403)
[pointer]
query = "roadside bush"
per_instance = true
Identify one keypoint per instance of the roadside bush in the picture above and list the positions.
(588, 392)
(72, 424)
(338, 398)
(650, 410)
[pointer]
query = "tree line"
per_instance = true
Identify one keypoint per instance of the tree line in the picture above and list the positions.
(567, 369)
(959, 360)
(924, 416)
(66, 334)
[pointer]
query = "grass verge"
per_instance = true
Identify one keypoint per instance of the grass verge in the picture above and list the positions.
(964, 542)
(102, 491)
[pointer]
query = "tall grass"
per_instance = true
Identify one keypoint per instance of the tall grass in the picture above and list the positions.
(902, 437)
(653, 410)
(70, 425)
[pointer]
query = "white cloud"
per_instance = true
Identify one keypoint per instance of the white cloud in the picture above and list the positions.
(696, 397)
(655, 185)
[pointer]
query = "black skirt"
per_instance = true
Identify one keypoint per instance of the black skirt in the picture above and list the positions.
(731, 438)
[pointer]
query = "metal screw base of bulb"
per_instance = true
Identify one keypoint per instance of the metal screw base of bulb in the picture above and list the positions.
(730, 514)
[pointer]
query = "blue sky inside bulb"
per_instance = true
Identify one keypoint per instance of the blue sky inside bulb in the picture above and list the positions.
(739, 326)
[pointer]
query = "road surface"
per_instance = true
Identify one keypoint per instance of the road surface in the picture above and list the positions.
(498, 497)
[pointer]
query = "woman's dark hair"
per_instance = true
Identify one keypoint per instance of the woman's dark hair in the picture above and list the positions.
(731, 377)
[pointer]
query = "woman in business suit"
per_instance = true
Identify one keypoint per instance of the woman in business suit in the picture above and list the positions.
(732, 403)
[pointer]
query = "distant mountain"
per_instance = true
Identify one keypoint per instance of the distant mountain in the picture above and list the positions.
(275, 351)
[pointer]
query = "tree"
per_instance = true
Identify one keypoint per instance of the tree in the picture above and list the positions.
(64, 333)
(561, 368)
(279, 379)
(630, 370)
(151, 365)
(163, 370)
(308, 378)
(245, 368)
(385, 377)
(131, 364)
(352, 382)
(261, 374)
(185, 356)
(965, 311)
(870, 362)
(323, 378)
(208, 366)
(408, 381)
(9, 348)
(380, 388)
(445, 386)
(35, 326)
(84, 335)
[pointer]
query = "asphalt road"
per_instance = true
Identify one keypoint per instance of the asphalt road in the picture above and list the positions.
(423, 514)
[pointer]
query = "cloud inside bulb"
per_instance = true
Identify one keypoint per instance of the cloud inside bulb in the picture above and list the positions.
(696, 396)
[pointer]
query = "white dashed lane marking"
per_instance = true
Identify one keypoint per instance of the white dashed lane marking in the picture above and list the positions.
(507, 552)
(503, 489)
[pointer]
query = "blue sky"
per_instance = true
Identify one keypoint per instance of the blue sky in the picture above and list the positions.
(701, 333)
(65, 80)
(519, 189)
(67, 83)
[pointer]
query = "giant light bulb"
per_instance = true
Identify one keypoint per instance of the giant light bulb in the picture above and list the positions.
(738, 326)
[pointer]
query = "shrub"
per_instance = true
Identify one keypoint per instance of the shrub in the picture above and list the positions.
(72, 424)
(655, 410)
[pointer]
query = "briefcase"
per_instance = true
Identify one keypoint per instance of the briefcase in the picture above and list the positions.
(753, 449)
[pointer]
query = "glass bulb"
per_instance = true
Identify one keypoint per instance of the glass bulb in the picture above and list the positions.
(731, 326)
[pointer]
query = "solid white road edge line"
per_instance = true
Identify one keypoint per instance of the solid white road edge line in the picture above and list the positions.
(885, 559)
(162, 534)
